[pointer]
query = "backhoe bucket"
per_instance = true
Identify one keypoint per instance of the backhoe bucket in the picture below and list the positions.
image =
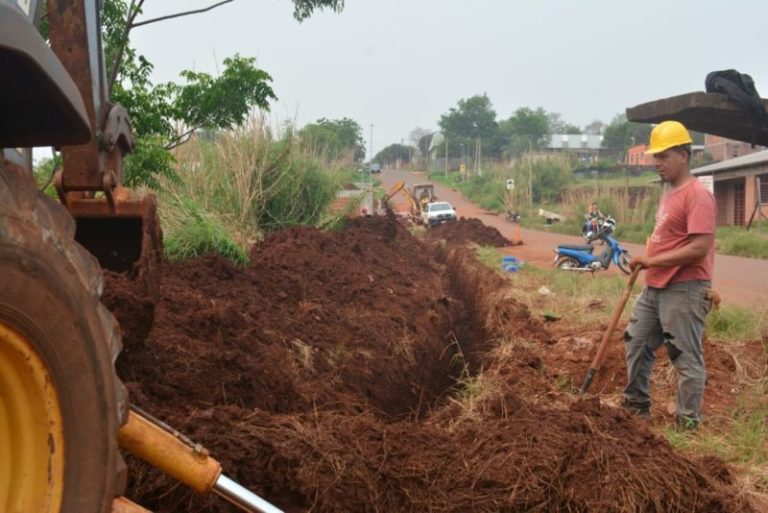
(125, 239)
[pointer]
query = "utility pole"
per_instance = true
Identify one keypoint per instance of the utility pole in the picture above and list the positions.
(530, 180)
(446, 158)
(370, 143)
(626, 206)
(477, 155)
(370, 162)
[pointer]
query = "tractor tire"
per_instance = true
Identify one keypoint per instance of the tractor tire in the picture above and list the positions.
(50, 289)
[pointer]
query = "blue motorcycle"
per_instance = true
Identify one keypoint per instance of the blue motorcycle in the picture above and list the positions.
(574, 257)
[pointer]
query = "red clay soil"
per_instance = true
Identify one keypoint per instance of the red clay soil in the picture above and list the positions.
(314, 322)
(467, 230)
(135, 311)
(324, 377)
(568, 356)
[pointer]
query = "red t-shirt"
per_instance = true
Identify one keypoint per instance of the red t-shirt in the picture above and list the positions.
(689, 210)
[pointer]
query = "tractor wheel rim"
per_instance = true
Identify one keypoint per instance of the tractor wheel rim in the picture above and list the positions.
(31, 429)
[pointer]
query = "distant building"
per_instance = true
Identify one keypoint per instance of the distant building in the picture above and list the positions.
(721, 148)
(586, 147)
(739, 185)
(636, 156)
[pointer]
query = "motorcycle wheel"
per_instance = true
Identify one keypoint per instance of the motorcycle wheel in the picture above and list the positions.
(566, 263)
(624, 263)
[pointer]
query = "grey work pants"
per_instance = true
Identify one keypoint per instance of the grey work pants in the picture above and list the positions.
(675, 317)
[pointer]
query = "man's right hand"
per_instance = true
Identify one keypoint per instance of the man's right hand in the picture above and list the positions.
(643, 262)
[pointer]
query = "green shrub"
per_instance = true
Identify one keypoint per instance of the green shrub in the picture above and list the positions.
(197, 233)
(240, 185)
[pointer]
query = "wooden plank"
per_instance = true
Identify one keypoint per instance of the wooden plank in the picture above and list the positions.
(709, 113)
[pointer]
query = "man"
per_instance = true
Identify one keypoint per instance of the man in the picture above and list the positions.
(591, 218)
(679, 262)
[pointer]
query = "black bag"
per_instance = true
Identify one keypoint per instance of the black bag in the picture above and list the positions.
(740, 88)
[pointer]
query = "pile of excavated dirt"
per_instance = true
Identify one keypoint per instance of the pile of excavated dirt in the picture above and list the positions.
(351, 320)
(363, 371)
(466, 230)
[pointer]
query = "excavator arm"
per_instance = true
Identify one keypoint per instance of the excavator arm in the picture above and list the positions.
(401, 188)
(399, 185)
(56, 337)
(118, 227)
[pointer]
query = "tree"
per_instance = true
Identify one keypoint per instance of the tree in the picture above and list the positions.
(620, 134)
(303, 9)
(336, 137)
(417, 134)
(120, 35)
(594, 128)
(558, 126)
(423, 144)
(393, 153)
(526, 129)
(420, 139)
(202, 101)
(568, 128)
(472, 119)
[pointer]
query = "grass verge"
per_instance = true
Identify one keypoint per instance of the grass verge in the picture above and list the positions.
(732, 323)
(583, 298)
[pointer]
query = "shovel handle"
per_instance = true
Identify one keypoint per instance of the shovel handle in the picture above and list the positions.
(601, 350)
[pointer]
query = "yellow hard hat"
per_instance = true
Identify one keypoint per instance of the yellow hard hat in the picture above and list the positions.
(666, 135)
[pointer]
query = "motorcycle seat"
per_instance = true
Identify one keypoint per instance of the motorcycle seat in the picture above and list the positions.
(578, 247)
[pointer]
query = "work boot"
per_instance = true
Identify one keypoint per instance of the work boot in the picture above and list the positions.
(686, 424)
(642, 411)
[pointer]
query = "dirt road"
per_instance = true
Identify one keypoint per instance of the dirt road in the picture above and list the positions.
(739, 280)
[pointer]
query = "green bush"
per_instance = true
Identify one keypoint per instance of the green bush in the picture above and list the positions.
(239, 186)
(198, 233)
(550, 178)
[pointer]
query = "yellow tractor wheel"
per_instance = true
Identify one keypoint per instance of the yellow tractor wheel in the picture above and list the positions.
(61, 404)
(31, 428)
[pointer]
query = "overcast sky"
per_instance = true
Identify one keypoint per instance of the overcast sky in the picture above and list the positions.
(399, 64)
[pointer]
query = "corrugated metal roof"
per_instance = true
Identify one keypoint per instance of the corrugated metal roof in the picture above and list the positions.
(753, 159)
(575, 141)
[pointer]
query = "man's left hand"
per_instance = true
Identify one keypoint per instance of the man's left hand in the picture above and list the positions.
(643, 262)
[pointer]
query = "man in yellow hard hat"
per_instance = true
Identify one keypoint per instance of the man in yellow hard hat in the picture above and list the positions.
(678, 265)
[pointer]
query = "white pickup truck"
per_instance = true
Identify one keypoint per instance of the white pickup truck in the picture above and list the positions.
(438, 212)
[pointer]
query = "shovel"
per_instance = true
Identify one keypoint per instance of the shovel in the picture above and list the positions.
(600, 356)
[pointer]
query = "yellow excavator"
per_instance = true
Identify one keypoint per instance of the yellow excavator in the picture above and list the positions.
(64, 415)
(418, 198)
